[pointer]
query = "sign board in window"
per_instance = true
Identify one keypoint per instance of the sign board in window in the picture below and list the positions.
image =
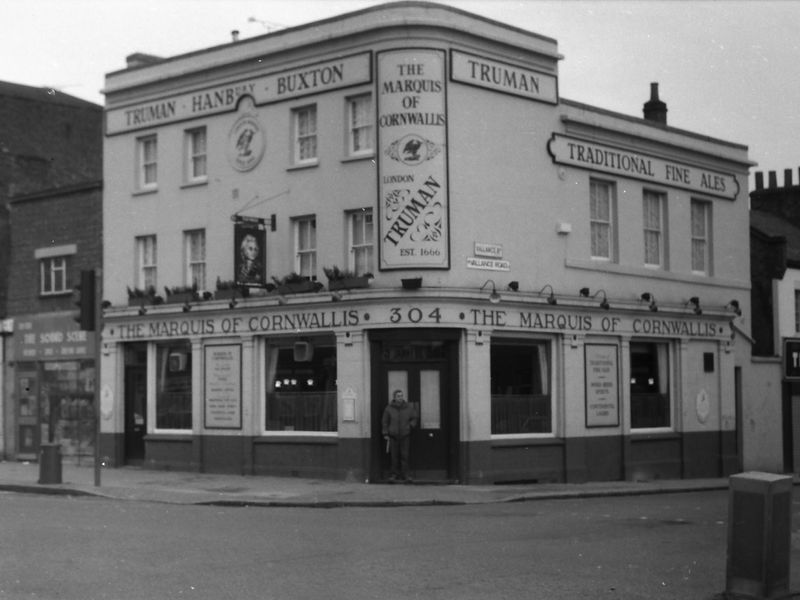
(791, 359)
(223, 387)
(602, 385)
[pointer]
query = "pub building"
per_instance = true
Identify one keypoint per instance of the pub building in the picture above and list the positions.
(298, 224)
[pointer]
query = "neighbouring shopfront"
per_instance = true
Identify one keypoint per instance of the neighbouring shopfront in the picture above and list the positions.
(54, 382)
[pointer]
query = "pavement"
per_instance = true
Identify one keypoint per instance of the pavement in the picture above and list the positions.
(181, 487)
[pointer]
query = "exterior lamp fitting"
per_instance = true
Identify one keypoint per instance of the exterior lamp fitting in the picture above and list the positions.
(604, 302)
(695, 302)
(551, 299)
(494, 297)
(584, 292)
(513, 286)
(734, 304)
(651, 299)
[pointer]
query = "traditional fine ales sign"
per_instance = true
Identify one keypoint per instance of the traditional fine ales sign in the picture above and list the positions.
(636, 165)
(223, 399)
(412, 141)
(602, 386)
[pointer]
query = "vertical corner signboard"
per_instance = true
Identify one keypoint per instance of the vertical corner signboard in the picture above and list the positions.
(412, 173)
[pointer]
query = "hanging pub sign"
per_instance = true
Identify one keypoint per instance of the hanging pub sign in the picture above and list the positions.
(412, 141)
(249, 256)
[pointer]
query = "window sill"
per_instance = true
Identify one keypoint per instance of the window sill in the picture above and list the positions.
(59, 294)
(299, 437)
(519, 440)
(191, 184)
(305, 165)
(145, 192)
(358, 157)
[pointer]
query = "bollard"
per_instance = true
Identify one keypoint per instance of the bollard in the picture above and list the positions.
(759, 536)
(50, 463)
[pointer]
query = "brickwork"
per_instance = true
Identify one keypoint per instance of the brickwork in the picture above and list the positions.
(44, 221)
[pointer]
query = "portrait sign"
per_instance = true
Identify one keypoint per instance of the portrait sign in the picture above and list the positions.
(602, 385)
(249, 259)
(412, 144)
(223, 381)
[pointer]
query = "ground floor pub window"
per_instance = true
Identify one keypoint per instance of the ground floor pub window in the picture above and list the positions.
(650, 405)
(520, 387)
(174, 385)
(301, 387)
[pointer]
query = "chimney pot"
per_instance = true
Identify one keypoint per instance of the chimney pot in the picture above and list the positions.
(235, 35)
(787, 178)
(654, 109)
(759, 180)
(773, 179)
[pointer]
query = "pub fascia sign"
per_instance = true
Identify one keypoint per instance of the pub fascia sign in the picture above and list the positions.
(274, 87)
(423, 314)
(575, 152)
(503, 77)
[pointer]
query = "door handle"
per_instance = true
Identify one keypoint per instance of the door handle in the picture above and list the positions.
(430, 435)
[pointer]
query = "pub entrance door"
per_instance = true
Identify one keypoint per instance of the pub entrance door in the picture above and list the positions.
(423, 364)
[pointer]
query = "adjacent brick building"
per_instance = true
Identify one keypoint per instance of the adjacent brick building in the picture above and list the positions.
(50, 230)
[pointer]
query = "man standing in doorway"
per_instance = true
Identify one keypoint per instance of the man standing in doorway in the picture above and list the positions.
(399, 417)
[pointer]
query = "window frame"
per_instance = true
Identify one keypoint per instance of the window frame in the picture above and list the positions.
(299, 136)
(154, 366)
(270, 351)
(611, 223)
(660, 232)
(548, 351)
(190, 261)
(368, 243)
(665, 378)
(54, 274)
(195, 155)
(301, 251)
(359, 122)
(706, 238)
(145, 162)
(142, 267)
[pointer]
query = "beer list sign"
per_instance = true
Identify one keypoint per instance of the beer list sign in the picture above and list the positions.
(412, 136)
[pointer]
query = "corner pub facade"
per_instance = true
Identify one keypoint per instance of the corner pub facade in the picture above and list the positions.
(550, 283)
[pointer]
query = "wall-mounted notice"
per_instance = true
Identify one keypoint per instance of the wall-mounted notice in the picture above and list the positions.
(223, 381)
(412, 141)
(602, 385)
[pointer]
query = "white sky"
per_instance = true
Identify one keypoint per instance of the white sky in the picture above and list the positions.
(729, 69)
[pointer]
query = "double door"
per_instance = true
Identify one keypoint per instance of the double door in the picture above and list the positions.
(422, 365)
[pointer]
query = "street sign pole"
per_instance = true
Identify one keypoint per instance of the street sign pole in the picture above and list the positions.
(98, 326)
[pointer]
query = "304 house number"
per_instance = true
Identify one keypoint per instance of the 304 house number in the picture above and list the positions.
(414, 315)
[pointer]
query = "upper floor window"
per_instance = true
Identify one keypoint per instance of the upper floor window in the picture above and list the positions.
(359, 110)
(305, 244)
(654, 206)
(147, 162)
(54, 275)
(196, 151)
(195, 249)
(305, 135)
(146, 266)
(54, 263)
(602, 219)
(361, 244)
(701, 237)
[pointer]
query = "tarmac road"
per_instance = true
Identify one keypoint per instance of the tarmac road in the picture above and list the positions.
(663, 546)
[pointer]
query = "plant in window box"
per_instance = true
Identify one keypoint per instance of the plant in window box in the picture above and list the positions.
(295, 284)
(342, 279)
(181, 294)
(139, 297)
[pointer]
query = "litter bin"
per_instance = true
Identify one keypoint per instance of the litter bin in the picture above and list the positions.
(759, 535)
(50, 463)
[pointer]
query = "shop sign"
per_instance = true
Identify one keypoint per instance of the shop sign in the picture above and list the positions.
(636, 165)
(413, 221)
(51, 337)
(223, 386)
(602, 385)
(503, 77)
(275, 87)
(488, 250)
(791, 359)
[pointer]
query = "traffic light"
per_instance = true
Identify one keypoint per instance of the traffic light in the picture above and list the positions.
(86, 301)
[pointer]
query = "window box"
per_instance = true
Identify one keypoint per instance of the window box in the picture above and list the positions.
(295, 284)
(345, 280)
(140, 297)
(180, 295)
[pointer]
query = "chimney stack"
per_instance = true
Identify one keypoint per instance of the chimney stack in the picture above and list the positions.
(654, 109)
(235, 35)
